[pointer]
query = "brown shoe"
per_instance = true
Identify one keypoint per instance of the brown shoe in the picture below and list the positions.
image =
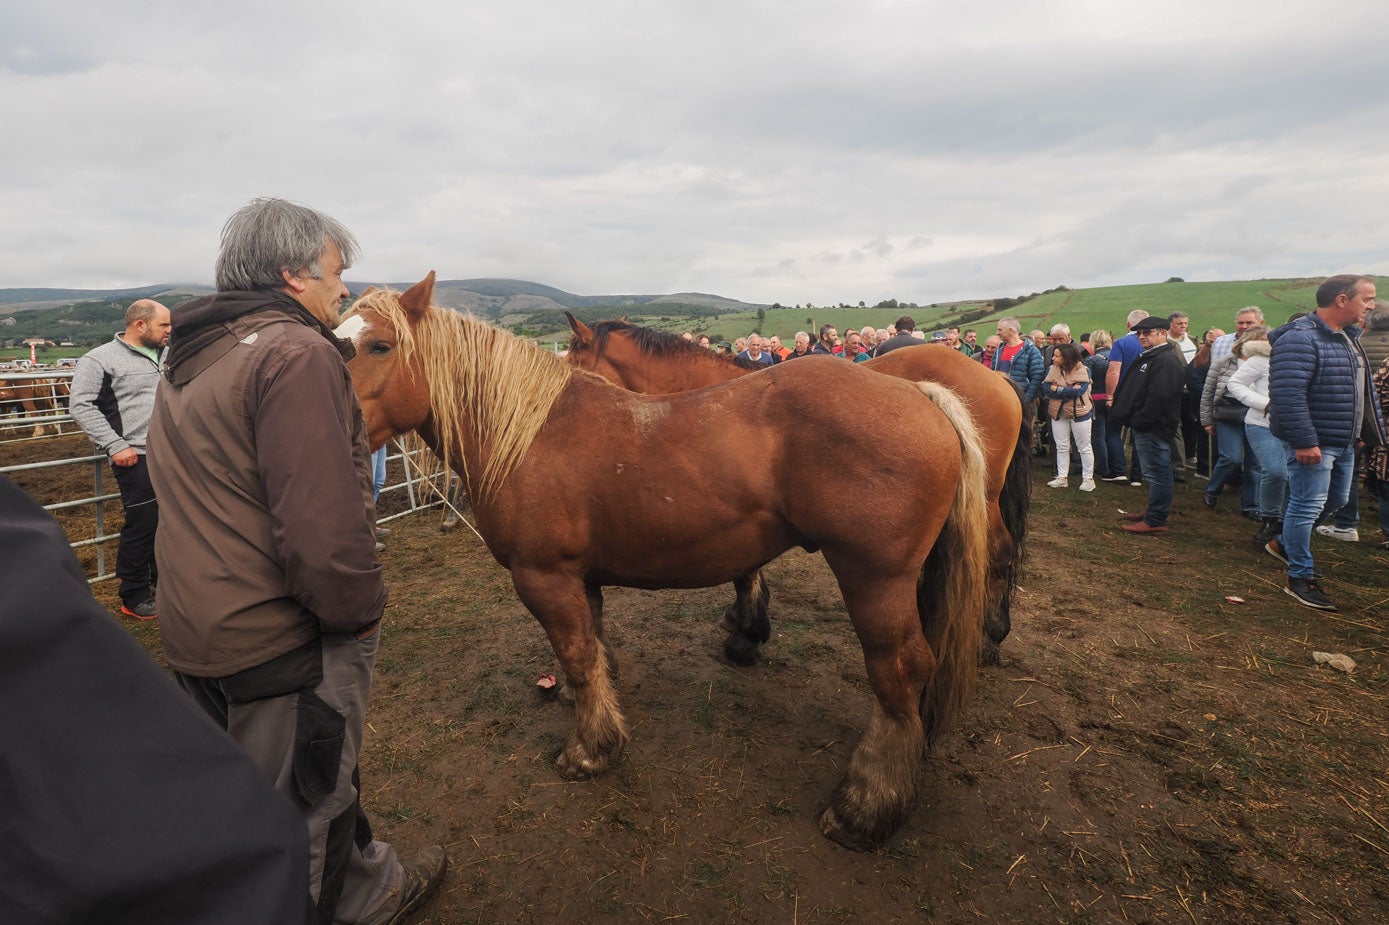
(1135, 516)
(1144, 528)
(423, 875)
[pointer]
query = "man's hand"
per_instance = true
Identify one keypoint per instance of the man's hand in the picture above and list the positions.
(1210, 429)
(125, 458)
(1310, 456)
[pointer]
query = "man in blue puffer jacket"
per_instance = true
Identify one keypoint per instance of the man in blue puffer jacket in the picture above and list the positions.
(1321, 403)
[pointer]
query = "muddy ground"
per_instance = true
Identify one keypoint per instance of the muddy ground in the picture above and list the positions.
(1146, 751)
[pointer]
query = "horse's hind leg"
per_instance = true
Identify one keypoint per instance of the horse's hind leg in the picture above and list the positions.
(879, 786)
(997, 619)
(747, 618)
(562, 605)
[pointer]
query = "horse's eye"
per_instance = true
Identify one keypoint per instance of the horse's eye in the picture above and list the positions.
(379, 347)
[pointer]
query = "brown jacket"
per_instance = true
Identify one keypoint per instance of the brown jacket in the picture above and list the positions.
(258, 456)
(1075, 407)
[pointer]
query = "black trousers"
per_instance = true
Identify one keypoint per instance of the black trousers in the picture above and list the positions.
(135, 557)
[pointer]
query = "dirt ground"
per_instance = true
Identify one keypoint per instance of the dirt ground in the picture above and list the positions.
(1146, 751)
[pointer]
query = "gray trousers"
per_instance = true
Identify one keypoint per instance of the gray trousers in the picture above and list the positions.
(301, 718)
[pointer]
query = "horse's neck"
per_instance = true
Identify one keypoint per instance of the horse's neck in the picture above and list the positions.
(689, 372)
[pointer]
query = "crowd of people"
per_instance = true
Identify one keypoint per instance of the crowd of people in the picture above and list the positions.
(1290, 419)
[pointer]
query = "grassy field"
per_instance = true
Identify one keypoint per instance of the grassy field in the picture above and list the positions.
(1208, 304)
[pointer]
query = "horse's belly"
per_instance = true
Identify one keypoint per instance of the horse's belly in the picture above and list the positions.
(683, 561)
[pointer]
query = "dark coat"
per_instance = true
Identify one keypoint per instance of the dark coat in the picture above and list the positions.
(1312, 384)
(1149, 398)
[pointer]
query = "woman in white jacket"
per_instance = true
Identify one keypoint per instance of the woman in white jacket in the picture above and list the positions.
(1249, 384)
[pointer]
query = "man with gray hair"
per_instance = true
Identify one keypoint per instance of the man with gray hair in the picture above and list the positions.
(111, 399)
(270, 596)
(1245, 319)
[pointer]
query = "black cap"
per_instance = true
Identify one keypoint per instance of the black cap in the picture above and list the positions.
(1153, 323)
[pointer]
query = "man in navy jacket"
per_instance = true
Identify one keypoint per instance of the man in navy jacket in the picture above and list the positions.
(1321, 403)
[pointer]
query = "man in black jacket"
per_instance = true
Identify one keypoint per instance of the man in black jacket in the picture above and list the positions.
(1148, 402)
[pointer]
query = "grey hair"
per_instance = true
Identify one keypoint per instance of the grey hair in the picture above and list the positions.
(1175, 315)
(1013, 323)
(1251, 308)
(1377, 319)
(1136, 316)
(267, 237)
(1061, 328)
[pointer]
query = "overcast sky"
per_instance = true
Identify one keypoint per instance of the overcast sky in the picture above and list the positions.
(766, 150)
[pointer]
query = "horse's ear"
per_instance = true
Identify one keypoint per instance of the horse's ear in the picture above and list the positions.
(366, 292)
(581, 331)
(623, 319)
(416, 299)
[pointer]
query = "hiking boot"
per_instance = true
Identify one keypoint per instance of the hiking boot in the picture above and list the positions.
(1208, 499)
(1087, 484)
(1344, 534)
(380, 547)
(1143, 528)
(423, 876)
(1307, 593)
(1058, 482)
(144, 610)
(1274, 548)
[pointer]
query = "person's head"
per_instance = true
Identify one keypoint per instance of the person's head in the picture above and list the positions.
(881, 337)
(1343, 300)
(703, 341)
(276, 244)
(774, 344)
(1134, 317)
(1100, 339)
(828, 335)
(802, 342)
(755, 345)
(991, 345)
(867, 333)
(740, 344)
(1066, 355)
(1246, 318)
(1377, 319)
(1257, 332)
(952, 336)
(1151, 332)
(905, 323)
(1009, 330)
(147, 324)
(1177, 323)
(1038, 337)
(853, 344)
(971, 337)
(1060, 334)
(687, 336)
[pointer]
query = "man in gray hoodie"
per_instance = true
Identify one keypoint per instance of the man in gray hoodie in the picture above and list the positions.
(112, 397)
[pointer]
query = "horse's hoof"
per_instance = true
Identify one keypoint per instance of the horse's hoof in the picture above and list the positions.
(988, 653)
(576, 763)
(836, 831)
(741, 651)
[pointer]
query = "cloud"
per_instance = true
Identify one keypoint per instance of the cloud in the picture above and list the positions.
(761, 150)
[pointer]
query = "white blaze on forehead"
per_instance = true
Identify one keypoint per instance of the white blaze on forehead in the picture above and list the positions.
(351, 328)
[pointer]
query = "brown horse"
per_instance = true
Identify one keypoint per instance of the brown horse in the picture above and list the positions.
(576, 484)
(657, 363)
(34, 398)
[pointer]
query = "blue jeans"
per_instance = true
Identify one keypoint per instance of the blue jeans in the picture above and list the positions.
(1229, 449)
(1114, 450)
(1155, 456)
(1310, 490)
(378, 471)
(1348, 516)
(1273, 478)
(1099, 445)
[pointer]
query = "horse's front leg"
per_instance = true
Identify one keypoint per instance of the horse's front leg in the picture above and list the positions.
(747, 619)
(562, 604)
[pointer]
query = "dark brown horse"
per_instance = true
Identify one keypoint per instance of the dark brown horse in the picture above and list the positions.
(576, 484)
(657, 363)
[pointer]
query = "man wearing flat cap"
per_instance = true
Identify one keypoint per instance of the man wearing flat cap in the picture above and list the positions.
(1149, 402)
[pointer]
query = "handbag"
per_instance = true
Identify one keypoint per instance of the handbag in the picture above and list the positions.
(1230, 410)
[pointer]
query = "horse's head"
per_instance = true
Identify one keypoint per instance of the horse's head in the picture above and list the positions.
(387, 372)
(589, 349)
(644, 360)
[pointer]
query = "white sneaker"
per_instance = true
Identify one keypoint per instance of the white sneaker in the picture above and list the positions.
(1087, 485)
(1058, 482)
(1344, 534)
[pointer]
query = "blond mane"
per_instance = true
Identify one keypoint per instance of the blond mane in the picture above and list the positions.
(488, 389)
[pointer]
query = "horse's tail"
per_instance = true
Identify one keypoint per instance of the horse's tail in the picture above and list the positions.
(951, 591)
(1013, 504)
